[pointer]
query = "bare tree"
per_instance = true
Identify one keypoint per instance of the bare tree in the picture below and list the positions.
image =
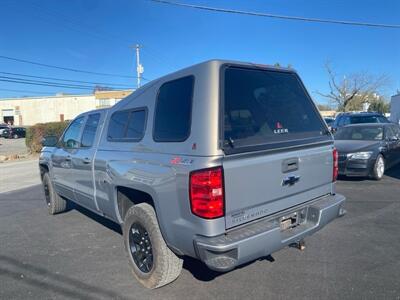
(357, 87)
(324, 107)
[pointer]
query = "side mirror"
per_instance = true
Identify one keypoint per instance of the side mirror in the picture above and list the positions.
(49, 141)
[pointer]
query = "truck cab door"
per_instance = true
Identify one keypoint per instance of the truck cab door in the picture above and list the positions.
(82, 170)
(62, 159)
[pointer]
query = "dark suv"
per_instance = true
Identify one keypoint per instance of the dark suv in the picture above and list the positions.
(344, 119)
(14, 133)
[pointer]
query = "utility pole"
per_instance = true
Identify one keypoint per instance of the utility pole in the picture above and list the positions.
(139, 67)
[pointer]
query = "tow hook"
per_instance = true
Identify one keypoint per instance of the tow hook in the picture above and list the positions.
(301, 245)
(342, 212)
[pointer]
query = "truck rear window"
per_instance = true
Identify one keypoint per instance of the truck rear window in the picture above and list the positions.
(267, 109)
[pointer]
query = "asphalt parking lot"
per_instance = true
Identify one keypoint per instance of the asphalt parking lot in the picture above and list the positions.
(12, 146)
(77, 255)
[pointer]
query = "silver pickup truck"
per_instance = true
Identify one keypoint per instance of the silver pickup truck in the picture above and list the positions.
(226, 162)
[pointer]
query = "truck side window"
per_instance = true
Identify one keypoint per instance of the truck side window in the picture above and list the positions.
(89, 131)
(172, 118)
(117, 126)
(71, 136)
(135, 128)
(127, 125)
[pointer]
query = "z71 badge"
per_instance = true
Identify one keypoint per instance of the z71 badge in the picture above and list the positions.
(181, 161)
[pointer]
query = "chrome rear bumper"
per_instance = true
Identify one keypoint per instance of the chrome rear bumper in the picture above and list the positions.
(261, 238)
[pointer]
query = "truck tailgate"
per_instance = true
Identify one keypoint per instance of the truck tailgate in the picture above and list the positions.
(260, 185)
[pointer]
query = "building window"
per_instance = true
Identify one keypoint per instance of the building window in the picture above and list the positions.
(104, 103)
(8, 116)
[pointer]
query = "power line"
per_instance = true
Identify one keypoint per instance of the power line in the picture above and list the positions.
(45, 84)
(158, 56)
(267, 15)
(96, 32)
(53, 16)
(69, 80)
(66, 69)
(93, 31)
(25, 91)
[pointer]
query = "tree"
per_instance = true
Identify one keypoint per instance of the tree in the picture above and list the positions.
(289, 66)
(353, 90)
(380, 106)
(99, 88)
(323, 107)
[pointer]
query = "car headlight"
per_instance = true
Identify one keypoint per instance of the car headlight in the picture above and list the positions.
(359, 155)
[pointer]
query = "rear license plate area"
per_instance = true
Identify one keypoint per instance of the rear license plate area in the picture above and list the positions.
(290, 221)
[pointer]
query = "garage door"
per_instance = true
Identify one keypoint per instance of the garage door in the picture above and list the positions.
(7, 112)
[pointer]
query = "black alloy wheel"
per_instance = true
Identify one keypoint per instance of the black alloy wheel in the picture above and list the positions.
(140, 248)
(47, 193)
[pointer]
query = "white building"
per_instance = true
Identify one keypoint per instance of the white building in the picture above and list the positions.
(32, 110)
(395, 109)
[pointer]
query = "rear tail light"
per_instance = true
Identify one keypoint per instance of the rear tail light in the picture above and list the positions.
(207, 193)
(335, 165)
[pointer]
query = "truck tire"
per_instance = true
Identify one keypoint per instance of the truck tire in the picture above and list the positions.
(55, 204)
(379, 168)
(152, 262)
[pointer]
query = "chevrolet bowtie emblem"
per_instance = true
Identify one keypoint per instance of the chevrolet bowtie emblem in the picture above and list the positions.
(291, 180)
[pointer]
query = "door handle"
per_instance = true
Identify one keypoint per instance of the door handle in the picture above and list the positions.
(290, 165)
(87, 160)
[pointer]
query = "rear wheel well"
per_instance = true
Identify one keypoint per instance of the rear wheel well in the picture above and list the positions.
(126, 197)
(43, 169)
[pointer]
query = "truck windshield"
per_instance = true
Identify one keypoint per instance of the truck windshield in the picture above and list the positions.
(267, 108)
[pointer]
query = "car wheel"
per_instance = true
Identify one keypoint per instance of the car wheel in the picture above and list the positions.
(15, 136)
(152, 262)
(379, 168)
(55, 204)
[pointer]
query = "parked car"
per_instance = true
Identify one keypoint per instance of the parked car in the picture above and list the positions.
(5, 133)
(14, 133)
(225, 162)
(344, 119)
(329, 122)
(2, 128)
(367, 149)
